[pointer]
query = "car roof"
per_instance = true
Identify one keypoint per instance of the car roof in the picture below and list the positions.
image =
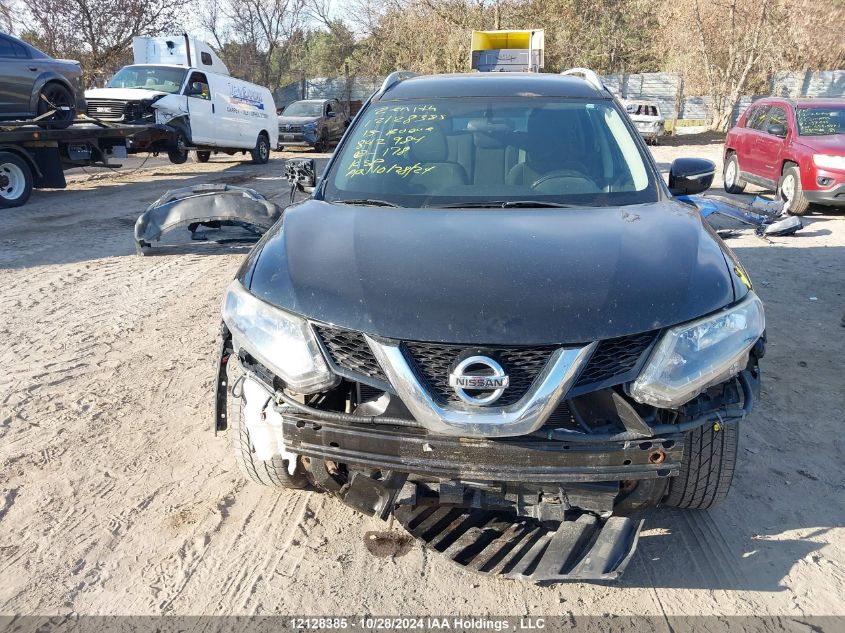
(802, 102)
(504, 84)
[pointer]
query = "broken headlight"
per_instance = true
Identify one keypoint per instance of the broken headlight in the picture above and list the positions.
(693, 356)
(279, 340)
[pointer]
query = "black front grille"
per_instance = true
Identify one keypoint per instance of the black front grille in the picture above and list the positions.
(433, 361)
(613, 362)
(289, 129)
(615, 357)
(349, 351)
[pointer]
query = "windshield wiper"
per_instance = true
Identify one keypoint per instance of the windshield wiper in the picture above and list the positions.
(366, 202)
(505, 204)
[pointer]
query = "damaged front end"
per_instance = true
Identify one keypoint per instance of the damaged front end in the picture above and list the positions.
(205, 205)
(547, 501)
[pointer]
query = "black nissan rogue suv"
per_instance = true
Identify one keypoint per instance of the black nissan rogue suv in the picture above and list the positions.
(493, 319)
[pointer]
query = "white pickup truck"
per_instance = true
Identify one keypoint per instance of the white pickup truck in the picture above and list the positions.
(179, 82)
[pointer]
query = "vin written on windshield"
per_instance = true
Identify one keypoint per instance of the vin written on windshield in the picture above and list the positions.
(444, 152)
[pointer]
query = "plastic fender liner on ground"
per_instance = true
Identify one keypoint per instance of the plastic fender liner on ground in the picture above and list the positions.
(201, 204)
(522, 548)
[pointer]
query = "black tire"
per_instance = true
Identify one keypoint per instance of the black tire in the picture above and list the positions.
(708, 467)
(55, 96)
(280, 148)
(261, 151)
(274, 472)
(202, 156)
(15, 180)
(791, 193)
(731, 173)
(179, 154)
(322, 144)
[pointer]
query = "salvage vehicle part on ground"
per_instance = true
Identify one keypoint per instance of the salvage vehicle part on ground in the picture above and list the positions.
(205, 205)
(765, 216)
(461, 326)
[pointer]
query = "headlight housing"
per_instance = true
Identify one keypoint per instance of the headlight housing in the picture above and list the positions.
(693, 356)
(280, 341)
(826, 161)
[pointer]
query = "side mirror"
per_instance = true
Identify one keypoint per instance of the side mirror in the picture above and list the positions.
(688, 176)
(301, 173)
(777, 129)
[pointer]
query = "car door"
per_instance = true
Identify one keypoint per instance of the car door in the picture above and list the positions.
(769, 147)
(18, 73)
(749, 160)
(332, 112)
(201, 110)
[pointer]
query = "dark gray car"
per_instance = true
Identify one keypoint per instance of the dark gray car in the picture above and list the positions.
(32, 83)
(312, 123)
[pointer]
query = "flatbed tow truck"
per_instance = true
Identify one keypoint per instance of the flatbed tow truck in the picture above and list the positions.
(35, 153)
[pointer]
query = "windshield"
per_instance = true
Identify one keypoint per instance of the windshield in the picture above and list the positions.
(455, 151)
(159, 78)
(304, 108)
(820, 121)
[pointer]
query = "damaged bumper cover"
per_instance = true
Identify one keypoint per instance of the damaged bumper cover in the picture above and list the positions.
(203, 204)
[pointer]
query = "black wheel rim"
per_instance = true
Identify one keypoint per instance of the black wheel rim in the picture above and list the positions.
(58, 99)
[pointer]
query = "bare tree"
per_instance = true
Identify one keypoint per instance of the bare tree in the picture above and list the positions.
(99, 32)
(721, 47)
(6, 12)
(253, 35)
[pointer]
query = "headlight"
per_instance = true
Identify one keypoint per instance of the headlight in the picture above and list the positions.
(693, 356)
(310, 125)
(826, 161)
(280, 341)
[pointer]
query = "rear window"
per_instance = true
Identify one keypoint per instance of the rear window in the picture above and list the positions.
(462, 150)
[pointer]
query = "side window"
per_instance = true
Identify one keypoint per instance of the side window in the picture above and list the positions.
(777, 116)
(7, 48)
(198, 87)
(329, 108)
(757, 119)
(205, 58)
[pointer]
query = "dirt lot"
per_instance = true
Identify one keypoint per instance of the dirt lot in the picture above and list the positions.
(118, 499)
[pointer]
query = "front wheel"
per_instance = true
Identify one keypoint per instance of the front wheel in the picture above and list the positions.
(202, 156)
(791, 193)
(733, 181)
(179, 154)
(710, 454)
(273, 472)
(261, 151)
(15, 181)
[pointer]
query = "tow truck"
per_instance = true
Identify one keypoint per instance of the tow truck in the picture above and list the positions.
(34, 153)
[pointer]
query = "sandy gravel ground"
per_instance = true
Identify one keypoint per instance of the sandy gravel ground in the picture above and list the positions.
(116, 498)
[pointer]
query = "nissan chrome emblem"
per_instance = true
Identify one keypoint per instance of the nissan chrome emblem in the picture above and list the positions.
(479, 380)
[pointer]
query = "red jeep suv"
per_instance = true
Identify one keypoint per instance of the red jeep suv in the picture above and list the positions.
(794, 146)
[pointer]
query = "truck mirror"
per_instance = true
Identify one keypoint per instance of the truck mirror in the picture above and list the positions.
(301, 173)
(777, 129)
(688, 176)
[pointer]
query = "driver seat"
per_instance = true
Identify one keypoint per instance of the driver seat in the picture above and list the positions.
(551, 146)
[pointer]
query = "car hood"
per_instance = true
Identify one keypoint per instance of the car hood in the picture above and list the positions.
(123, 94)
(297, 120)
(489, 276)
(828, 144)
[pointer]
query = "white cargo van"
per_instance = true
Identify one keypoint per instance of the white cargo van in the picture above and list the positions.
(179, 82)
